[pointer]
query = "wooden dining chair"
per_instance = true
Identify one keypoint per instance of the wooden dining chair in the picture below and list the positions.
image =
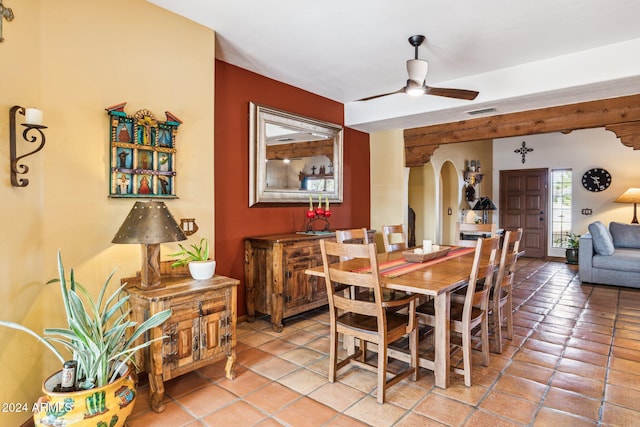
(368, 320)
(482, 230)
(394, 238)
(353, 235)
(500, 295)
(473, 311)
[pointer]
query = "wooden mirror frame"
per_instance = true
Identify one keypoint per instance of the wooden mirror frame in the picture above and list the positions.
(259, 191)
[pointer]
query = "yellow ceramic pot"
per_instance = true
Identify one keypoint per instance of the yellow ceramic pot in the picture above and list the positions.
(107, 406)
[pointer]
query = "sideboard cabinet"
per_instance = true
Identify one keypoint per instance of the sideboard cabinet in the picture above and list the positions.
(275, 279)
(200, 331)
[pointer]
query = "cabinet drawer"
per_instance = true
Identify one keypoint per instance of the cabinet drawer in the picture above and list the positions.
(209, 304)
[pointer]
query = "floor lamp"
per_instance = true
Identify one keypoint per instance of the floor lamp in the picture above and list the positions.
(632, 195)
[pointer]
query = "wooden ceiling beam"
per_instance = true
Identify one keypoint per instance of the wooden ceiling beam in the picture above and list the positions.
(616, 114)
(300, 149)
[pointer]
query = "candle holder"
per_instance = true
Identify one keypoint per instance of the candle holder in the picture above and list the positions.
(20, 168)
(318, 215)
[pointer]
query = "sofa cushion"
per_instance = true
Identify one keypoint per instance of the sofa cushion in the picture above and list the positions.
(625, 235)
(622, 260)
(602, 240)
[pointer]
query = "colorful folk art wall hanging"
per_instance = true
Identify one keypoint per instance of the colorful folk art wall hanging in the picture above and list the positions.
(143, 154)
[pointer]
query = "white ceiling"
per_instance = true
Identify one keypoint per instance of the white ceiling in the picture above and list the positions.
(519, 55)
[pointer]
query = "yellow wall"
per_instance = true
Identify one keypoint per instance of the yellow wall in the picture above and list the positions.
(72, 59)
(388, 203)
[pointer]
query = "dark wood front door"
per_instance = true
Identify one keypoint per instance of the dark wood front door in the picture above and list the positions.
(523, 204)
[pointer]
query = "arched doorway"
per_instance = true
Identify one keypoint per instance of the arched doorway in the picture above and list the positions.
(450, 200)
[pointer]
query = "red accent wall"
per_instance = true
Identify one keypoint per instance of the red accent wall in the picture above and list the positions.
(234, 219)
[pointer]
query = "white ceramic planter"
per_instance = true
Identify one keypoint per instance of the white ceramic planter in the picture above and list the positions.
(202, 270)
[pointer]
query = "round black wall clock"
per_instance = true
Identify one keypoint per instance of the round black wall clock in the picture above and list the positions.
(596, 179)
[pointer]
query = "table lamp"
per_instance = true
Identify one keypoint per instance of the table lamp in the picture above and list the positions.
(484, 204)
(149, 224)
(632, 195)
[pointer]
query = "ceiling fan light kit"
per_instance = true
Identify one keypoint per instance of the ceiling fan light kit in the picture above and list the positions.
(417, 72)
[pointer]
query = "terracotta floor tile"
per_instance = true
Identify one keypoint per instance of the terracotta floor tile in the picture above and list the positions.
(173, 415)
(305, 412)
(461, 393)
(344, 421)
(277, 346)
(586, 356)
(359, 379)
(185, 384)
(521, 387)
(275, 368)
(269, 422)
(245, 382)
(594, 347)
(544, 347)
(337, 395)
(548, 417)
(549, 337)
(252, 356)
(302, 356)
(299, 337)
(530, 371)
(625, 365)
(619, 378)
(272, 397)
(583, 369)
(255, 338)
(623, 396)
(613, 415)
(536, 358)
(509, 406)
(239, 413)
(303, 381)
(481, 418)
(205, 400)
(415, 420)
(443, 409)
(572, 403)
(405, 394)
(578, 384)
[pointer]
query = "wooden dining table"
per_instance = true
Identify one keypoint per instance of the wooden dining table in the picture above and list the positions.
(437, 279)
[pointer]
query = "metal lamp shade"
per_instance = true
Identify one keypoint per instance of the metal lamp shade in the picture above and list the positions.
(484, 204)
(149, 223)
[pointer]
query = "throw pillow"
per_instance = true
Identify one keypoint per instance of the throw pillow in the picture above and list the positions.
(625, 235)
(602, 240)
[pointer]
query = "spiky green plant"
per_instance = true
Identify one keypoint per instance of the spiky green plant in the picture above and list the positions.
(99, 335)
(199, 252)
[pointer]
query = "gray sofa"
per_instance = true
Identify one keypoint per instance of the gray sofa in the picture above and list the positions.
(610, 256)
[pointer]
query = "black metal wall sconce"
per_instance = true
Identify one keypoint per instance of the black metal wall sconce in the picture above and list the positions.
(32, 133)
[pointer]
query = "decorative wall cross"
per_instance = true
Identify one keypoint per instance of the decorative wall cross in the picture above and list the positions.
(523, 150)
(7, 13)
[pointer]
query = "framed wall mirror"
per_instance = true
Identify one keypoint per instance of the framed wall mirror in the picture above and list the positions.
(292, 157)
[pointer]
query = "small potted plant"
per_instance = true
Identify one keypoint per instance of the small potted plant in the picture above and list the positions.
(197, 258)
(571, 241)
(97, 384)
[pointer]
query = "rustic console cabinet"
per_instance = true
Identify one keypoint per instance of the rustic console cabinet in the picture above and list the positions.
(275, 279)
(200, 331)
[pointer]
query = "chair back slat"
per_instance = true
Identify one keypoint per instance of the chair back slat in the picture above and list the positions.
(333, 256)
(394, 238)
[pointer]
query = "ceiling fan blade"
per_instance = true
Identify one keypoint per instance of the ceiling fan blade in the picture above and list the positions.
(380, 96)
(452, 93)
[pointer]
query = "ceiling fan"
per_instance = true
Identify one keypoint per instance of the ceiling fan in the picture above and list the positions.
(417, 71)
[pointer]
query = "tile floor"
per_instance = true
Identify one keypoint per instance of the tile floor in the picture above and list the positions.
(574, 361)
